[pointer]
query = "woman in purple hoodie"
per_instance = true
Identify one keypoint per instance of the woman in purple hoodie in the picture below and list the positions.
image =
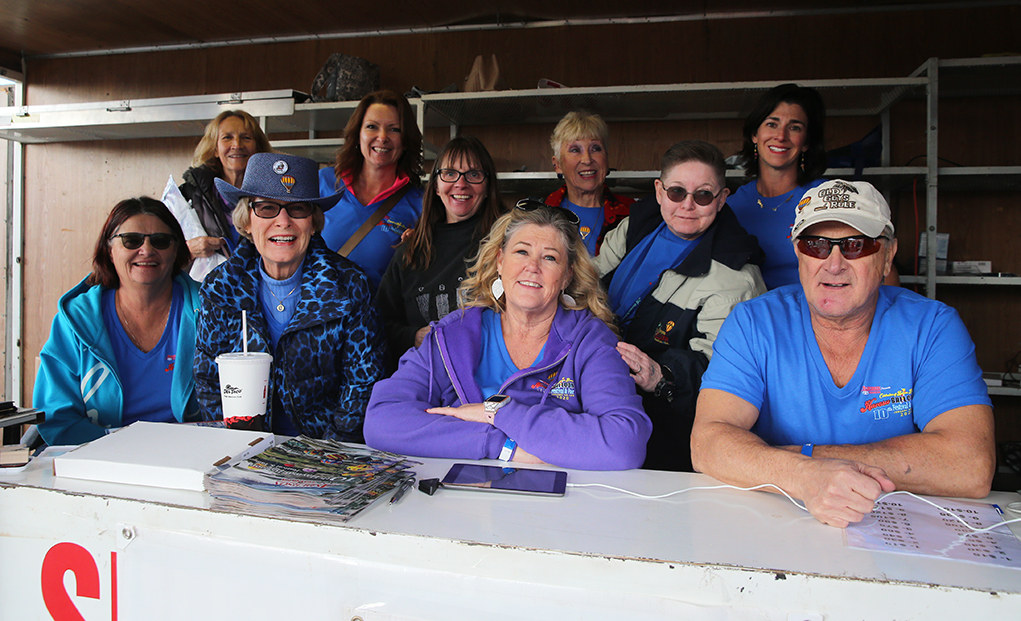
(527, 370)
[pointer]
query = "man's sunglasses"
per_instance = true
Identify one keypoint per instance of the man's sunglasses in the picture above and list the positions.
(531, 204)
(850, 247)
(134, 241)
(268, 209)
(702, 197)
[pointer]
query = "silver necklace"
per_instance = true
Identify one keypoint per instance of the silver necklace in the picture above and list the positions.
(280, 306)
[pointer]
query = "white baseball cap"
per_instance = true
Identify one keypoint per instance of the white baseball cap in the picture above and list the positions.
(855, 203)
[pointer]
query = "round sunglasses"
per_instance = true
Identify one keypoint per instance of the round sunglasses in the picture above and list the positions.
(851, 248)
(134, 241)
(704, 198)
(267, 209)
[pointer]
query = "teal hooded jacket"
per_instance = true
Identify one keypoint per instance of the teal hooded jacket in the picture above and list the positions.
(78, 386)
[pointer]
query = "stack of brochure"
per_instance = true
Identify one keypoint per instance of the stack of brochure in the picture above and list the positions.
(308, 480)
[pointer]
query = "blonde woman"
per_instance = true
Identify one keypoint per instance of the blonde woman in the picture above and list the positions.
(527, 370)
(222, 153)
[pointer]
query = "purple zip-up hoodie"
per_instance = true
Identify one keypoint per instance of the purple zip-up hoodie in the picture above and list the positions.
(577, 408)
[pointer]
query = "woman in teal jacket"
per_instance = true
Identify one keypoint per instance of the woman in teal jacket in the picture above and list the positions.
(123, 341)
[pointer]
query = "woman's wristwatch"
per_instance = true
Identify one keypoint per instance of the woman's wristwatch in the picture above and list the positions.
(665, 387)
(492, 404)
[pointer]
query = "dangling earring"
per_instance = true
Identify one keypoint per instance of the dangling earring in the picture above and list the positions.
(566, 298)
(560, 176)
(497, 288)
(802, 161)
(755, 151)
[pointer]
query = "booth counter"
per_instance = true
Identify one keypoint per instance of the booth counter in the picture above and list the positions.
(83, 550)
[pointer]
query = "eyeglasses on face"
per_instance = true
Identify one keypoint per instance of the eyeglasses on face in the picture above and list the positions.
(134, 241)
(268, 209)
(851, 248)
(451, 175)
(677, 194)
(531, 204)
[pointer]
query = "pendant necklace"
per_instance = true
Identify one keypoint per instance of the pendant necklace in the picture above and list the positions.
(280, 306)
(784, 202)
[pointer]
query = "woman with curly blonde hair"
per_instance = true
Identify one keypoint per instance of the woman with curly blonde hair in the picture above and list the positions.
(527, 370)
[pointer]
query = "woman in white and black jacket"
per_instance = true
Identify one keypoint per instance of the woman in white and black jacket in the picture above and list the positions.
(674, 269)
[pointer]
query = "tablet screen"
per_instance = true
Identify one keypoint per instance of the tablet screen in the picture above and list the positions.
(512, 480)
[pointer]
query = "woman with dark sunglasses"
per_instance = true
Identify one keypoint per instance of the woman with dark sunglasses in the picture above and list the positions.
(123, 340)
(307, 306)
(420, 285)
(674, 269)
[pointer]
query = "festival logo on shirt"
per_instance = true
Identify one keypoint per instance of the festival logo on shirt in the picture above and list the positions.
(564, 389)
(663, 333)
(392, 226)
(170, 363)
(541, 385)
(884, 403)
(585, 232)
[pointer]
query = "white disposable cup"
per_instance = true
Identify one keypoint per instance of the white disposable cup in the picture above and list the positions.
(244, 383)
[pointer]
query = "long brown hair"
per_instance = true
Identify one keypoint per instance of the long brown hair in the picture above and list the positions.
(350, 158)
(418, 253)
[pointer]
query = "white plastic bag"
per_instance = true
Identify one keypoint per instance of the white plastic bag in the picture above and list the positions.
(192, 227)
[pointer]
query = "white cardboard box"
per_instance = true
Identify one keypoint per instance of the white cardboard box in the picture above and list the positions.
(167, 455)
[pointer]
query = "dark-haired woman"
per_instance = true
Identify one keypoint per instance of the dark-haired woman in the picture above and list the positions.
(122, 343)
(461, 203)
(381, 159)
(784, 158)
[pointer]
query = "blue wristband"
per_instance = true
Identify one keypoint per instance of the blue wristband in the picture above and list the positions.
(508, 450)
(807, 450)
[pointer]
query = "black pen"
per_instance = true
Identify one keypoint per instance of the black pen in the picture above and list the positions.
(404, 487)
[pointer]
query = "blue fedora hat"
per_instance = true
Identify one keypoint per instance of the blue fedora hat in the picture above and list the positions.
(282, 177)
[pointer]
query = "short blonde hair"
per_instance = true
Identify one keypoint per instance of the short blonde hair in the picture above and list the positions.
(242, 217)
(584, 287)
(205, 151)
(578, 125)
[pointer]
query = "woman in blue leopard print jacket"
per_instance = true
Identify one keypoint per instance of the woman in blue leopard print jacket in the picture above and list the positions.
(307, 306)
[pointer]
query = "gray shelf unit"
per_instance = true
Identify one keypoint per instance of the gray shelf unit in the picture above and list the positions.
(959, 78)
(278, 112)
(663, 102)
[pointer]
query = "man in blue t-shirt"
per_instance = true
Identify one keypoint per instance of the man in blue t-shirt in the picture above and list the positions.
(839, 389)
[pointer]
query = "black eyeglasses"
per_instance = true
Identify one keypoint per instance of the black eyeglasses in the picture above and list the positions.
(134, 241)
(268, 210)
(531, 204)
(677, 194)
(451, 175)
(851, 248)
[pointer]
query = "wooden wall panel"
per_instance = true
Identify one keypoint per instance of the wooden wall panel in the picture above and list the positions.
(70, 188)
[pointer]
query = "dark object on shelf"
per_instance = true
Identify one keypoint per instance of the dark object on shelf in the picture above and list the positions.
(345, 78)
(866, 153)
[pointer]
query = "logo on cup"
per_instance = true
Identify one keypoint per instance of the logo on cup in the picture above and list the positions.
(231, 391)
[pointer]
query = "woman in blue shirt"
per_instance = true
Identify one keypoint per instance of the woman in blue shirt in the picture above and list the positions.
(381, 159)
(784, 157)
(123, 340)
